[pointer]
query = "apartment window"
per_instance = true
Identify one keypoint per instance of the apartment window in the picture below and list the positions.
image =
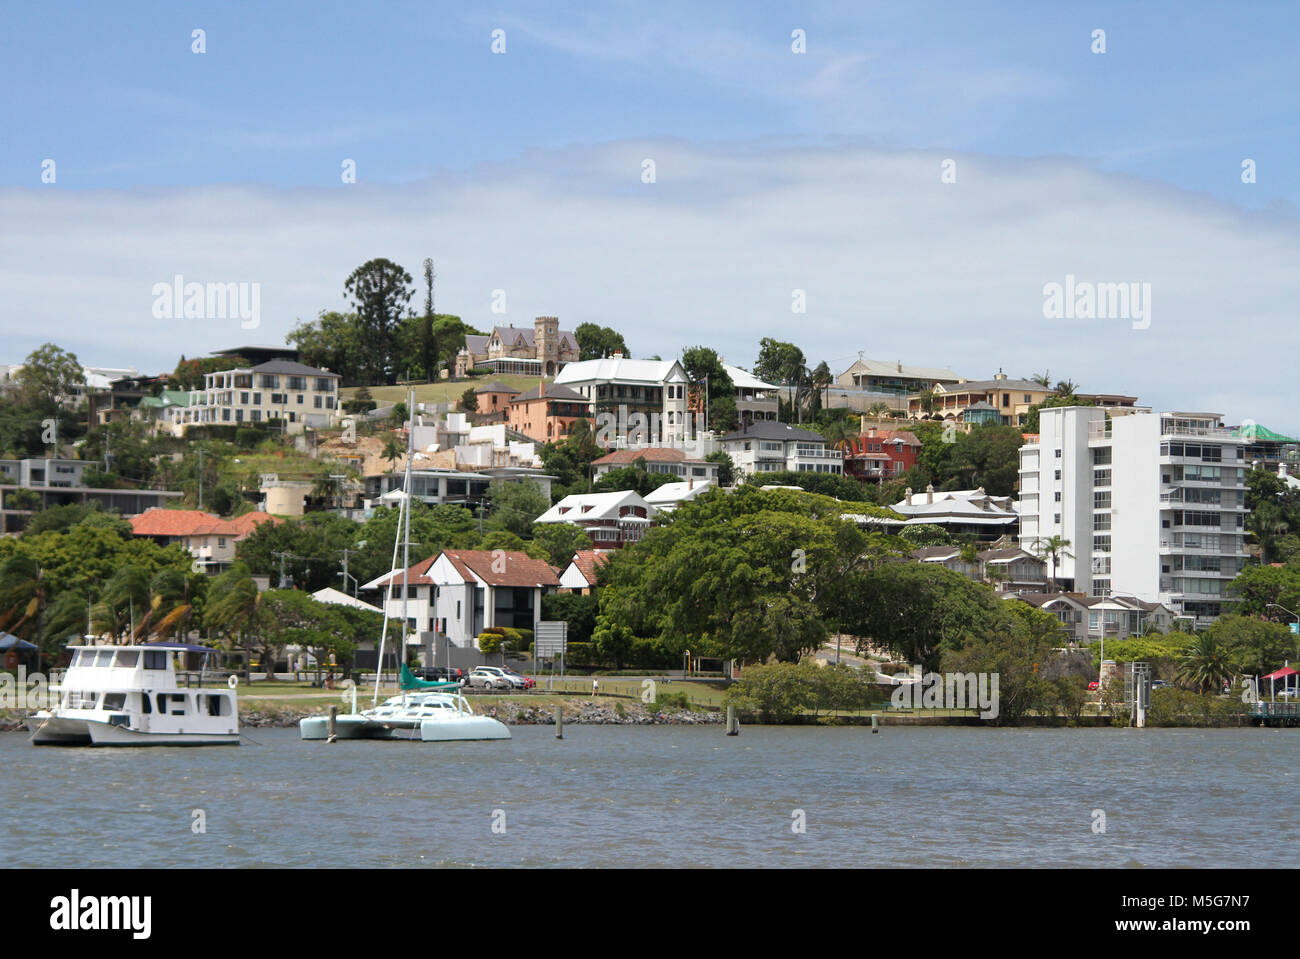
(1101, 564)
(1100, 587)
(300, 400)
(318, 401)
(1058, 453)
(1028, 398)
(243, 399)
(1058, 474)
(1101, 456)
(1101, 544)
(1101, 521)
(257, 399)
(297, 383)
(1101, 477)
(1056, 518)
(270, 382)
(1057, 495)
(1101, 499)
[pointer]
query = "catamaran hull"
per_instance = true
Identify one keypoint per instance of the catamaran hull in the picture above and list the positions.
(429, 731)
(57, 731)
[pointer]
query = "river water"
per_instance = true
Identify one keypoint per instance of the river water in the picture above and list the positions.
(653, 796)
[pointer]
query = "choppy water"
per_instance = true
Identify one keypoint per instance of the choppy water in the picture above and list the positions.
(666, 796)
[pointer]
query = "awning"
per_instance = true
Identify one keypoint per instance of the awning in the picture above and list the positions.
(187, 647)
(1281, 673)
(9, 641)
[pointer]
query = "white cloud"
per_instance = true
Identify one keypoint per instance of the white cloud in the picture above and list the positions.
(894, 263)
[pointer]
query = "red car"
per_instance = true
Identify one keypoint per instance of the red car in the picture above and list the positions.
(1093, 687)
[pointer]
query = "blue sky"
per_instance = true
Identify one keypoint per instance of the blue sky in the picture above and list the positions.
(225, 166)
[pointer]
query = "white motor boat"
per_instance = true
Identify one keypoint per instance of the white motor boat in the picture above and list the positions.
(429, 717)
(130, 696)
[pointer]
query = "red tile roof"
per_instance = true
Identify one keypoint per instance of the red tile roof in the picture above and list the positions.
(653, 454)
(588, 559)
(520, 569)
(193, 522)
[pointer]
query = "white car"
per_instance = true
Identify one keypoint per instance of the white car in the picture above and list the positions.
(490, 677)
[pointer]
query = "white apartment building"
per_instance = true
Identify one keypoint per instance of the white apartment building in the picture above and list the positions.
(767, 447)
(642, 399)
(1152, 504)
(301, 396)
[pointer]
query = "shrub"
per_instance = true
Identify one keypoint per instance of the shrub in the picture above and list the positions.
(489, 643)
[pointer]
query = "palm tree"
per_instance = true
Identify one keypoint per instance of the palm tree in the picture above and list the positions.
(23, 595)
(879, 410)
(1206, 662)
(1043, 379)
(169, 604)
(392, 450)
(1052, 548)
(927, 399)
(1065, 387)
(234, 609)
(125, 601)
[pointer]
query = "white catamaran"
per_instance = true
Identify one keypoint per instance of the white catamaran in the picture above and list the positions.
(130, 696)
(424, 711)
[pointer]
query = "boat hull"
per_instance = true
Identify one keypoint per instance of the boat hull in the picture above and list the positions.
(462, 729)
(58, 731)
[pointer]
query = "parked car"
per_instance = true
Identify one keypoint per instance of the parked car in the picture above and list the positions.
(1094, 686)
(1289, 693)
(490, 677)
(1158, 684)
(518, 678)
(441, 674)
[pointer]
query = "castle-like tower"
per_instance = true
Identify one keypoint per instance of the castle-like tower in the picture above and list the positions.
(546, 339)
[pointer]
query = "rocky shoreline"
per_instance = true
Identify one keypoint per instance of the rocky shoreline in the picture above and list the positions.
(517, 714)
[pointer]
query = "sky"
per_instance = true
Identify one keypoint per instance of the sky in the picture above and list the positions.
(917, 177)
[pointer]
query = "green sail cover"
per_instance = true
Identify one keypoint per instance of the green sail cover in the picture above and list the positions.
(410, 682)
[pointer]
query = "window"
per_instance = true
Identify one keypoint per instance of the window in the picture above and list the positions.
(1057, 495)
(1058, 454)
(127, 659)
(155, 659)
(114, 701)
(1056, 518)
(1101, 499)
(1101, 544)
(1058, 474)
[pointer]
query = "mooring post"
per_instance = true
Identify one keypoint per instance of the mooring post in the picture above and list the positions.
(559, 722)
(733, 727)
(875, 722)
(333, 723)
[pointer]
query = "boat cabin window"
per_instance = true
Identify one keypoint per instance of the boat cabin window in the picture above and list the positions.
(128, 659)
(146, 703)
(155, 659)
(175, 700)
(115, 700)
(77, 659)
(104, 657)
(218, 706)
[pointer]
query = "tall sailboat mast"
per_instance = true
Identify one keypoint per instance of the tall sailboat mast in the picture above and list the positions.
(402, 538)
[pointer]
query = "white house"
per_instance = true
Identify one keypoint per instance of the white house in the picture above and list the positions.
(767, 447)
(668, 497)
(610, 519)
(635, 402)
(459, 593)
(580, 575)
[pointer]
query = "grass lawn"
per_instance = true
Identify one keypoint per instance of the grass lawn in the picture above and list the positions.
(448, 391)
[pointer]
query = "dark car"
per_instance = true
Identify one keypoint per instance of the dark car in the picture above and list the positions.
(441, 674)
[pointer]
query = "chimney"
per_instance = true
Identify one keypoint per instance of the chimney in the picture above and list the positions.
(690, 483)
(929, 493)
(1000, 375)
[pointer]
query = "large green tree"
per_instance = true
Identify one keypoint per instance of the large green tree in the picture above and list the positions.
(380, 291)
(595, 342)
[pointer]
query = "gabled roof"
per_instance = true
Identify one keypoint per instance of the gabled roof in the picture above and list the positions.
(651, 454)
(501, 567)
(936, 554)
(157, 521)
(496, 386)
(588, 560)
(290, 368)
(510, 335)
(621, 369)
(771, 430)
(596, 506)
(417, 575)
(476, 342)
(744, 380)
(670, 494)
(990, 386)
(887, 368)
(553, 392)
(1011, 555)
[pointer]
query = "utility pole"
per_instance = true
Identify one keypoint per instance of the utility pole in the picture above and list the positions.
(200, 478)
(284, 582)
(346, 575)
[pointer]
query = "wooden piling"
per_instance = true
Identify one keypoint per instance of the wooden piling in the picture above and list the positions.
(559, 722)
